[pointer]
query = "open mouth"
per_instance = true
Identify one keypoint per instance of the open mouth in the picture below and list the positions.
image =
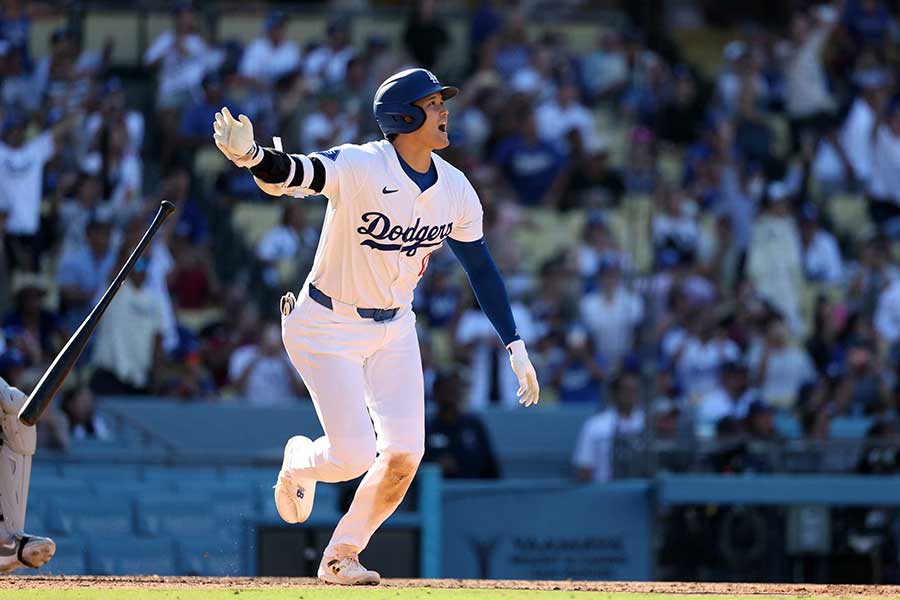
(443, 127)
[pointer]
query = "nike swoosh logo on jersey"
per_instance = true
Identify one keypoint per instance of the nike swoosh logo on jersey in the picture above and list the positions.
(384, 190)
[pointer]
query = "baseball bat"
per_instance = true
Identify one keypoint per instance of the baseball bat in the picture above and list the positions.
(54, 376)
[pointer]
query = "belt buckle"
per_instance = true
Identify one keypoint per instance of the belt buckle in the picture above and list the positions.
(383, 314)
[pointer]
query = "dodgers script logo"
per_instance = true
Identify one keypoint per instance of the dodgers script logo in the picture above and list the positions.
(378, 227)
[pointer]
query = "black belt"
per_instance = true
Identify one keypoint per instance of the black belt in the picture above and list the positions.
(376, 314)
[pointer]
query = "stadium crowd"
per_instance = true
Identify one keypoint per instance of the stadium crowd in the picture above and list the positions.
(693, 249)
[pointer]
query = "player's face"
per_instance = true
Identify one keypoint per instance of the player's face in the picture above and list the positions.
(433, 133)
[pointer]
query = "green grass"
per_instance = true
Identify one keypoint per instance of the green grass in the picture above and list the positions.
(342, 594)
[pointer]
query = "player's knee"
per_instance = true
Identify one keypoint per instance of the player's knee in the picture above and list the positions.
(354, 458)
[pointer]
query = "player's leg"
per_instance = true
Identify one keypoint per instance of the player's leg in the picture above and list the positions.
(336, 384)
(395, 395)
(18, 445)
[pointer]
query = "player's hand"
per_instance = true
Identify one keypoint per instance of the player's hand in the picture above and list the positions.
(529, 391)
(234, 137)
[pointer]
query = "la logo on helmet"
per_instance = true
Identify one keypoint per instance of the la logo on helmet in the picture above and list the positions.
(431, 76)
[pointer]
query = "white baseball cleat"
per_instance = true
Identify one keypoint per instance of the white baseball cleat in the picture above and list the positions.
(294, 498)
(346, 571)
(25, 551)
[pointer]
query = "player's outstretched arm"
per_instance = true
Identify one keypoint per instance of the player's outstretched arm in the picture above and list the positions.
(275, 172)
(486, 282)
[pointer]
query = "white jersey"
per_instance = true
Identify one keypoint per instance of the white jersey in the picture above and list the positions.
(380, 229)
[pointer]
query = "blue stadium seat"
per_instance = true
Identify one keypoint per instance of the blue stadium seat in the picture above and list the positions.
(100, 472)
(131, 556)
(176, 515)
(70, 558)
(175, 475)
(91, 516)
(59, 488)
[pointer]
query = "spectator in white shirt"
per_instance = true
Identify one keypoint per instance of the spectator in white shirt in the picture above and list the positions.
(555, 119)
(327, 64)
(775, 258)
(593, 457)
(856, 134)
(887, 314)
(884, 188)
(612, 313)
(808, 100)
(821, 255)
(262, 372)
(731, 398)
(328, 126)
(128, 343)
(21, 182)
(781, 367)
(700, 353)
(182, 58)
(266, 60)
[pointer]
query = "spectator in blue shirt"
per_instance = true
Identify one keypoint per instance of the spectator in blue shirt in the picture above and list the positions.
(83, 273)
(532, 166)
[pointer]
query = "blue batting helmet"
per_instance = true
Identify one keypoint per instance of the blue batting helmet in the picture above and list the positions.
(393, 106)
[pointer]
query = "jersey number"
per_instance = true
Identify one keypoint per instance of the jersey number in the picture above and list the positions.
(424, 264)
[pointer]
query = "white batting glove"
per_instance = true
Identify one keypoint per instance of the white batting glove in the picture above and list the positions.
(234, 137)
(529, 391)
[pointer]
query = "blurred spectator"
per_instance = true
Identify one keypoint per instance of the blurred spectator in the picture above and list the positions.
(262, 373)
(884, 206)
(329, 125)
(83, 421)
(21, 184)
(731, 398)
(83, 273)
(605, 69)
(425, 35)
(270, 57)
(760, 421)
(200, 113)
(128, 344)
(675, 227)
(114, 109)
(887, 315)
(532, 166)
(192, 282)
(593, 457)
(809, 101)
(612, 313)
(699, 351)
(579, 375)
(556, 118)
(491, 381)
(866, 22)
(326, 64)
(781, 366)
(857, 131)
(29, 326)
(597, 249)
(821, 255)
(455, 439)
(592, 179)
(182, 58)
(682, 115)
(775, 258)
(293, 240)
(862, 388)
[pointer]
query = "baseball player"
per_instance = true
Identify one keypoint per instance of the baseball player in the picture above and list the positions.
(350, 332)
(17, 445)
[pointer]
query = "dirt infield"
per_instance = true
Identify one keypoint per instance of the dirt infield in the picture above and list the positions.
(237, 583)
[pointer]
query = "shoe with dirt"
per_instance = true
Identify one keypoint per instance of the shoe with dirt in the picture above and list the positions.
(346, 571)
(30, 551)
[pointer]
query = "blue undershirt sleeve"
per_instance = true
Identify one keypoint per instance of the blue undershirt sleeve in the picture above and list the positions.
(488, 286)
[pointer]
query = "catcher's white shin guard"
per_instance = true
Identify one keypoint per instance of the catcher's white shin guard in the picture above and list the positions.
(17, 446)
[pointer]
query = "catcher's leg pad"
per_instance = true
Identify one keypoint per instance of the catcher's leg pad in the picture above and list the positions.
(18, 445)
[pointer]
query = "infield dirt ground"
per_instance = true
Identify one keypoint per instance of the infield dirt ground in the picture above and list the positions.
(202, 588)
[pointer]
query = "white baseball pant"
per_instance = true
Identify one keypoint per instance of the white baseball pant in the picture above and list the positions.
(365, 379)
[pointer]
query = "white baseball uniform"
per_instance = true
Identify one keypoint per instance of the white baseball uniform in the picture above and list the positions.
(378, 233)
